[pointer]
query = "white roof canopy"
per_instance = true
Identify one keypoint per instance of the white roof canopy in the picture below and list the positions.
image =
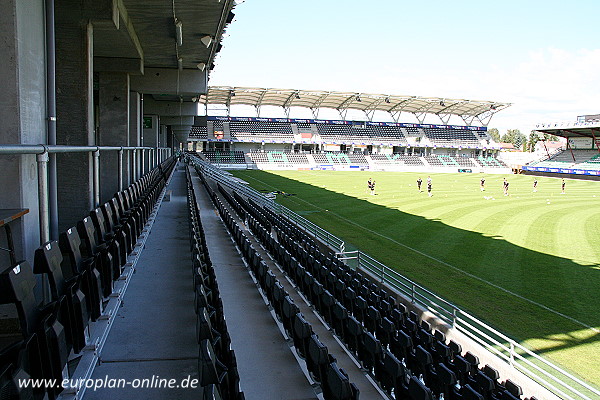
(469, 111)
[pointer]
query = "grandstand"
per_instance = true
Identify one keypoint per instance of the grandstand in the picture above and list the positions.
(335, 144)
(581, 157)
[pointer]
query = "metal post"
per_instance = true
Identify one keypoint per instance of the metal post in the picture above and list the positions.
(133, 169)
(42, 162)
(143, 162)
(96, 155)
(512, 354)
(51, 117)
(121, 169)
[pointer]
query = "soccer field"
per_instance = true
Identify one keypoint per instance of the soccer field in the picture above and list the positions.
(527, 264)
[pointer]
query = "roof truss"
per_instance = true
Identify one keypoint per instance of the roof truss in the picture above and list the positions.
(470, 111)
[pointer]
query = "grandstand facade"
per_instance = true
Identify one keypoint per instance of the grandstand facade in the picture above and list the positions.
(282, 143)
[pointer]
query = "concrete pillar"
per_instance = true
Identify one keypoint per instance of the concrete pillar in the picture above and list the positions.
(113, 110)
(22, 116)
(172, 144)
(74, 106)
(151, 129)
(135, 130)
(162, 136)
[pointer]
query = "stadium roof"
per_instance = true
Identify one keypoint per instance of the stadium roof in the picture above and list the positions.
(571, 129)
(469, 111)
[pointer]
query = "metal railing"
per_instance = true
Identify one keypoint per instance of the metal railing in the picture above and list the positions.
(142, 159)
(555, 379)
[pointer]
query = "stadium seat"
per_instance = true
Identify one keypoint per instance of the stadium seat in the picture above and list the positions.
(317, 358)
(417, 390)
(301, 334)
(337, 385)
(390, 373)
(76, 265)
(370, 351)
(73, 310)
(99, 251)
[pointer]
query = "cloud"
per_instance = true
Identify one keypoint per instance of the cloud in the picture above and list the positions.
(545, 85)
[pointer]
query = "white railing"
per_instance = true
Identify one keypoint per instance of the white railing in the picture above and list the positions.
(555, 379)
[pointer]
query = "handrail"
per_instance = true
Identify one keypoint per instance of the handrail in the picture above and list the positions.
(562, 382)
(140, 160)
(45, 148)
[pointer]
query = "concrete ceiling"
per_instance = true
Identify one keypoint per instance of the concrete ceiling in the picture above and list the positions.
(145, 29)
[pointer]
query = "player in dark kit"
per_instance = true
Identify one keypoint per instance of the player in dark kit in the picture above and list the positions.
(563, 186)
(482, 184)
(369, 185)
(505, 187)
(419, 182)
(429, 187)
(373, 188)
(535, 182)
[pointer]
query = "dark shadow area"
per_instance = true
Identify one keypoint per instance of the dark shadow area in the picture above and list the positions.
(557, 283)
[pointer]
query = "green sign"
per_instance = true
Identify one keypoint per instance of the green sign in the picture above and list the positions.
(147, 122)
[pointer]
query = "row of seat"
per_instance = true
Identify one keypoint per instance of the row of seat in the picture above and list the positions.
(217, 365)
(75, 276)
(225, 157)
(323, 366)
(392, 344)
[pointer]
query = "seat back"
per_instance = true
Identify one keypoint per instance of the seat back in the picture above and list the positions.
(47, 260)
(17, 287)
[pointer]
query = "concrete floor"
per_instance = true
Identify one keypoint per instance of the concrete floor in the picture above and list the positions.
(154, 331)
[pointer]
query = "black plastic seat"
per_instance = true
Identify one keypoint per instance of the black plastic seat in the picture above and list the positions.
(289, 310)
(301, 333)
(210, 369)
(401, 346)
(317, 358)
(339, 315)
(44, 337)
(114, 243)
(337, 386)
(74, 314)
(417, 390)
(353, 334)
(468, 393)
(75, 264)
(390, 372)
(370, 351)
(99, 251)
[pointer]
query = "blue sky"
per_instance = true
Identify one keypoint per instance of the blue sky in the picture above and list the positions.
(543, 56)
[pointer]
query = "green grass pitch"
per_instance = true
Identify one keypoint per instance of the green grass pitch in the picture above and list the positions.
(528, 264)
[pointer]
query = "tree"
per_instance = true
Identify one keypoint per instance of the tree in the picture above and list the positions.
(494, 134)
(548, 136)
(533, 139)
(515, 137)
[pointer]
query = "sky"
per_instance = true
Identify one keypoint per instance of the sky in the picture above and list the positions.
(541, 56)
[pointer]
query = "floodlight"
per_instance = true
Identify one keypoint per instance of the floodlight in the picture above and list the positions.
(387, 100)
(201, 66)
(180, 63)
(207, 40)
(442, 103)
(358, 97)
(297, 95)
(179, 32)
